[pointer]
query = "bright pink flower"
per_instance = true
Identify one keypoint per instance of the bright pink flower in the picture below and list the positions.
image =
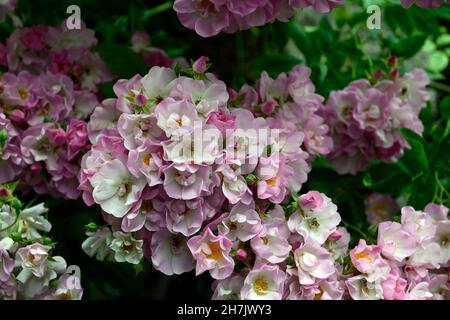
(206, 17)
(199, 65)
(367, 259)
(242, 223)
(211, 253)
(77, 137)
(271, 243)
(273, 178)
(313, 262)
(395, 242)
(265, 282)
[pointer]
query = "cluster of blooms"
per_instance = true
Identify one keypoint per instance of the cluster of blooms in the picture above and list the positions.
(423, 3)
(365, 119)
(154, 196)
(56, 50)
(290, 102)
(411, 259)
(44, 99)
(152, 56)
(302, 257)
(28, 270)
(209, 17)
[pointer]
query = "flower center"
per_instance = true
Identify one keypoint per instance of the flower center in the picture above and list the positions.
(146, 207)
(363, 255)
(127, 246)
(206, 6)
(147, 159)
(265, 240)
(319, 294)
(124, 189)
(23, 94)
(445, 240)
(175, 245)
(261, 286)
(214, 251)
(313, 223)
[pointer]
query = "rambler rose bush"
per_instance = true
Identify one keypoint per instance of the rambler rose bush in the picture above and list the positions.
(28, 268)
(46, 97)
(150, 190)
(198, 204)
(209, 17)
(365, 119)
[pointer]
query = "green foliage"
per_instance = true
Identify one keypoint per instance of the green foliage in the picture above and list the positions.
(121, 60)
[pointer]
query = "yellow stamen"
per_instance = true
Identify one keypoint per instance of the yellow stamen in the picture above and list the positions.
(363, 255)
(261, 286)
(215, 252)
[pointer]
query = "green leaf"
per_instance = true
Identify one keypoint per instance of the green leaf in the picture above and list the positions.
(438, 61)
(386, 178)
(107, 89)
(122, 61)
(426, 116)
(424, 19)
(443, 11)
(407, 47)
(391, 16)
(443, 40)
(138, 268)
(302, 40)
(3, 138)
(444, 108)
(415, 159)
(422, 192)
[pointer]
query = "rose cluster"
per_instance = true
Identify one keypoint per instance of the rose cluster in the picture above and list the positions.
(305, 255)
(48, 93)
(365, 119)
(290, 102)
(169, 157)
(268, 253)
(209, 17)
(410, 260)
(28, 269)
(56, 50)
